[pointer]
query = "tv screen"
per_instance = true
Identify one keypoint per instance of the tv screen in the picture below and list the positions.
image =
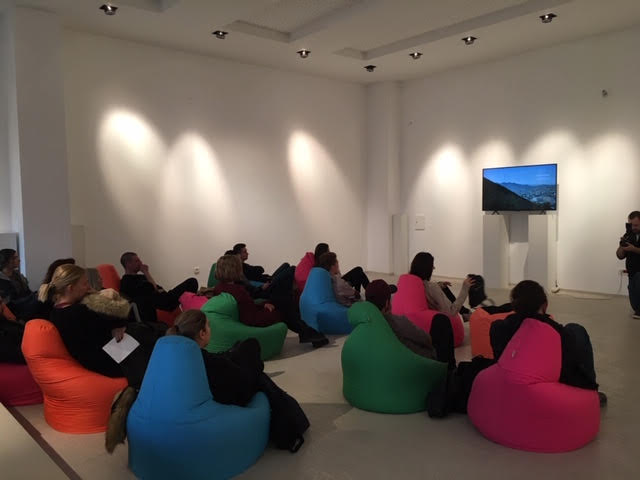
(532, 187)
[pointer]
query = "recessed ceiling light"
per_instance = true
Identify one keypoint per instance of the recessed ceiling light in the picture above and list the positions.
(109, 9)
(547, 17)
(370, 68)
(304, 53)
(415, 55)
(220, 34)
(469, 40)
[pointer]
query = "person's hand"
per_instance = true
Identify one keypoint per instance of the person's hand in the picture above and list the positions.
(265, 285)
(468, 282)
(269, 307)
(444, 284)
(118, 333)
(144, 268)
(631, 248)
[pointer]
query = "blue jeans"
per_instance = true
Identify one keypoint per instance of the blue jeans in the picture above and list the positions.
(634, 292)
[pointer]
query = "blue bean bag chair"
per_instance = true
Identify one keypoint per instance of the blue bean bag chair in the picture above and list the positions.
(177, 430)
(319, 307)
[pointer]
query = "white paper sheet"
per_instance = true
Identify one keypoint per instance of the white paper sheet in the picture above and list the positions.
(121, 350)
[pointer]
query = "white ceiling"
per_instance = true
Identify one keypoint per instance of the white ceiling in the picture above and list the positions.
(346, 35)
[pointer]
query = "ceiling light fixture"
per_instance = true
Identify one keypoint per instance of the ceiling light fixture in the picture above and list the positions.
(220, 34)
(415, 55)
(304, 53)
(109, 9)
(469, 40)
(370, 68)
(547, 17)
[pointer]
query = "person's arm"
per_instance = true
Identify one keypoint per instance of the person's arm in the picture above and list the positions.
(620, 252)
(145, 270)
(437, 300)
(630, 249)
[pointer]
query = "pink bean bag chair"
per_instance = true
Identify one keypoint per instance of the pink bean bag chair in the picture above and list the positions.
(411, 301)
(303, 269)
(519, 402)
(479, 326)
(191, 301)
(17, 386)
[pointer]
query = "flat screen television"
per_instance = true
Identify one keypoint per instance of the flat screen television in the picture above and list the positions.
(526, 188)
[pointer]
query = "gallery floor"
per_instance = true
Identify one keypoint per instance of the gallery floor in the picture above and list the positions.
(345, 443)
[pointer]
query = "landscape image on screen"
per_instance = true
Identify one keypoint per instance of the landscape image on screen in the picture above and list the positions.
(532, 187)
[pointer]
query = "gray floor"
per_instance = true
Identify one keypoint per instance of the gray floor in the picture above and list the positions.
(347, 443)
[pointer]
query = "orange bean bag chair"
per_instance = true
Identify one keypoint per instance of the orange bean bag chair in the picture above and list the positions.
(76, 400)
(479, 326)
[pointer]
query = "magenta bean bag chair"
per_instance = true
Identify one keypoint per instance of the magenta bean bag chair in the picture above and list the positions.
(17, 386)
(191, 301)
(519, 402)
(303, 269)
(411, 301)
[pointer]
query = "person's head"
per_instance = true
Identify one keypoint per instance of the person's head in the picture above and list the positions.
(229, 269)
(422, 266)
(634, 220)
(56, 264)
(9, 259)
(229, 252)
(329, 261)
(69, 283)
(319, 250)
(192, 324)
(528, 298)
(95, 280)
(378, 292)
(241, 250)
(131, 262)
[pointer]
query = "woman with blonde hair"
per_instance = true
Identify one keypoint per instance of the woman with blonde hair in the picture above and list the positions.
(88, 321)
(230, 277)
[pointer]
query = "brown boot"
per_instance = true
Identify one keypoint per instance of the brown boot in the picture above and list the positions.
(117, 427)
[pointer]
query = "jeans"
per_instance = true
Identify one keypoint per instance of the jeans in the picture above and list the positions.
(634, 292)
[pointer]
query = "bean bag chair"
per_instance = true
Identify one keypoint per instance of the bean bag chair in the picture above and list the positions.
(212, 281)
(379, 373)
(479, 326)
(191, 301)
(109, 275)
(519, 402)
(17, 386)
(303, 269)
(226, 328)
(76, 400)
(319, 307)
(176, 430)
(168, 317)
(411, 301)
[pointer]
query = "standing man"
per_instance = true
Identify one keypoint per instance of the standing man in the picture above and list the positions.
(629, 250)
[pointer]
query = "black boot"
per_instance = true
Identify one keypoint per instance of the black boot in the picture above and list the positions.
(309, 335)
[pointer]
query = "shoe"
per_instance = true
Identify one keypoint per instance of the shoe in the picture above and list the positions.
(603, 399)
(320, 343)
(117, 427)
(476, 292)
(636, 315)
(309, 335)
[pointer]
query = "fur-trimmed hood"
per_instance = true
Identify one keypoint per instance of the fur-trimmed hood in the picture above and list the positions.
(115, 307)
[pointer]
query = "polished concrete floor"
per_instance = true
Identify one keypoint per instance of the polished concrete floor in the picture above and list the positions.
(345, 443)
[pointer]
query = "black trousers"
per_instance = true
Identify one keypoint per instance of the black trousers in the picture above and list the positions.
(452, 298)
(170, 300)
(11, 341)
(356, 278)
(577, 358)
(135, 365)
(442, 338)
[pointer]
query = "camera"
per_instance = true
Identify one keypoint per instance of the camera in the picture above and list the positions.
(628, 236)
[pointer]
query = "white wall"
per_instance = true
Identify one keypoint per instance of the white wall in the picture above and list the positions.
(178, 156)
(539, 107)
(5, 168)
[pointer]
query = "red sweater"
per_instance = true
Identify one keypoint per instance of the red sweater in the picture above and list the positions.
(248, 312)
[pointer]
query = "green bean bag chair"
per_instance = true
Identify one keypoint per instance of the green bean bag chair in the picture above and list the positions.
(212, 281)
(379, 373)
(226, 329)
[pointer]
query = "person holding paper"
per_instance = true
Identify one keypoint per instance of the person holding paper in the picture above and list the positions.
(87, 322)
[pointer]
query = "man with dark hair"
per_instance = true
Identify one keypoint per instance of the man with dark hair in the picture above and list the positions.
(629, 250)
(145, 292)
(438, 345)
(529, 300)
(251, 272)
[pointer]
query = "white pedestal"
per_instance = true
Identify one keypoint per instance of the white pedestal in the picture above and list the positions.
(495, 251)
(400, 243)
(541, 263)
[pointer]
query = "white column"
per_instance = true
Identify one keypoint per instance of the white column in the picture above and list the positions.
(35, 138)
(382, 172)
(541, 260)
(495, 250)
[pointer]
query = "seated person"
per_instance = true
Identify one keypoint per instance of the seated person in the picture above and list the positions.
(530, 301)
(230, 277)
(439, 296)
(44, 308)
(345, 294)
(355, 277)
(11, 331)
(437, 344)
(251, 272)
(144, 290)
(14, 287)
(87, 322)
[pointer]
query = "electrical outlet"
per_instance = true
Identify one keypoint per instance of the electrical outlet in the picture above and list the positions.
(622, 272)
(196, 270)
